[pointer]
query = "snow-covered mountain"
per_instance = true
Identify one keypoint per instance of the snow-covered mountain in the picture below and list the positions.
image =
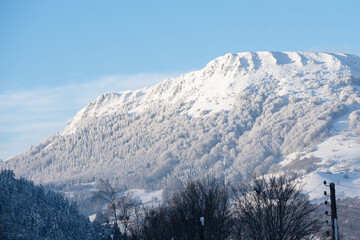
(242, 113)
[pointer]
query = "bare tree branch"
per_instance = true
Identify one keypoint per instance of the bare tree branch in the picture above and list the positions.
(274, 209)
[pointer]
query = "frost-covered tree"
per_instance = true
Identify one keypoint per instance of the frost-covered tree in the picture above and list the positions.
(151, 137)
(29, 212)
(119, 206)
(108, 195)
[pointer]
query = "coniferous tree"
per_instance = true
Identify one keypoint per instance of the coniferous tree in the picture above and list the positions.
(28, 212)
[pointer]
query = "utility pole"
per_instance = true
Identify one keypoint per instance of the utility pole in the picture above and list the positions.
(334, 221)
(202, 236)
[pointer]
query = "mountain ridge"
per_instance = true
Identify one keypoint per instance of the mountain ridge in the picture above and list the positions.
(244, 62)
(241, 113)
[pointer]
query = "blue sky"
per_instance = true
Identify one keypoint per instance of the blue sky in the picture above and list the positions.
(57, 56)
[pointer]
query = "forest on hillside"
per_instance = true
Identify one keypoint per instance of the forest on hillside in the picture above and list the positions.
(159, 146)
(204, 208)
(30, 212)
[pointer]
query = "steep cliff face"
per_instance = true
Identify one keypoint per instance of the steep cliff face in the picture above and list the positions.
(242, 113)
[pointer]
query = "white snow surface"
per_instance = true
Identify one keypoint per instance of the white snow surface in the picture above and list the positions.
(213, 88)
(152, 198)
(325, 79)
(339, 163)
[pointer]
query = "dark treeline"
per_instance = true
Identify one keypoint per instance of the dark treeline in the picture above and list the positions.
(29, 212)
(265, 209)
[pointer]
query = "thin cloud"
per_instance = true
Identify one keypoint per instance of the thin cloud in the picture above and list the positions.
(27, 117)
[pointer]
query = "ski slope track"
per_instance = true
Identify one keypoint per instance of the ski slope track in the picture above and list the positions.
(244, 113)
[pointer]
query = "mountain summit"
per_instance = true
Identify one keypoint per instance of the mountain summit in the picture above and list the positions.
(243, 113)
(214, 88)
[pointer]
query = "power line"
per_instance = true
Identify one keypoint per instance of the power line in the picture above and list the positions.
(349, 217)
(316, 187)
(340, 195)
(349, 206)
(348, 186)
(321, 194)
(334, 214)
(323, 207)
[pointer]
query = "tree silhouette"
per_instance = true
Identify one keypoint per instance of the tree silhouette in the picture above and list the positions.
(274, 209)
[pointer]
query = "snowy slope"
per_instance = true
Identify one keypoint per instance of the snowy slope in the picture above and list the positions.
(264, 111)
(215, 87)
(338, 161)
